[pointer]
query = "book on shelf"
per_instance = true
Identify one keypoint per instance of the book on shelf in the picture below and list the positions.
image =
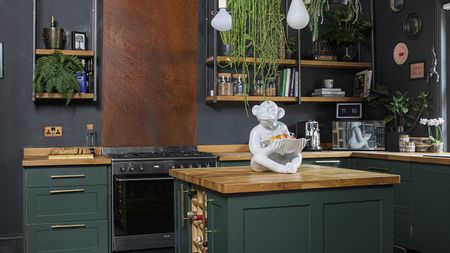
(329, 95)
(363, 83)
(287, 82)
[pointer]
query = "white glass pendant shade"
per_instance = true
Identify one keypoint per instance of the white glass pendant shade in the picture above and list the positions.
(297, 17)
(222, 21)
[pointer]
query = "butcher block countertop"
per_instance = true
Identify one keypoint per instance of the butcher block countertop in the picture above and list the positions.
(240, 152)
(37, 157)
(243, 180)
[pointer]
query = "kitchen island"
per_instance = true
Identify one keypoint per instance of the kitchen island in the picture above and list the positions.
(318, 209)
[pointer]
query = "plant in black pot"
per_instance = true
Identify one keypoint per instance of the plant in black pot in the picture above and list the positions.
(403, 112)
(57, 73)
(345, 26)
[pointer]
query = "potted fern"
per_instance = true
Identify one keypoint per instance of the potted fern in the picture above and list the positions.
(56, 73)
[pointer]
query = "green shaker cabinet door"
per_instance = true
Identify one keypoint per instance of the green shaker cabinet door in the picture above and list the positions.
(79, 237)
(431, 208)
(234, 163)
(44, 205)
(66, 176)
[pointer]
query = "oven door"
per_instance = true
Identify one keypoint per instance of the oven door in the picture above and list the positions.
(143, 212)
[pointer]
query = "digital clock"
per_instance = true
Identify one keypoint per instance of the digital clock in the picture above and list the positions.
(348, 110)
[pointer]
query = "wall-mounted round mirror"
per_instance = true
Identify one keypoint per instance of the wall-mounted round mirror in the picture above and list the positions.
(412, 26)
(396, 5)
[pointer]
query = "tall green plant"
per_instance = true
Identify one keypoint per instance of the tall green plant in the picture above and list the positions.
(56, 73)
(257, 32)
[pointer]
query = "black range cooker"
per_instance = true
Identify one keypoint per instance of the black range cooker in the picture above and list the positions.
(142, 193)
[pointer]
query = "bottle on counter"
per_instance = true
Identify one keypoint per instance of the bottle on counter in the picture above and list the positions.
(90, 137)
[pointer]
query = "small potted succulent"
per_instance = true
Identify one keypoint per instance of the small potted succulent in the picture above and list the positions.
(435, 133)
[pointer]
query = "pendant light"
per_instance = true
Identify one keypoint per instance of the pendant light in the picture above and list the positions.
(297, 17)
(222, 20)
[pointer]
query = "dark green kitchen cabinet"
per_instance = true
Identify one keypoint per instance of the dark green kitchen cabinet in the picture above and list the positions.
(332, 162)
(431, 208)
(182, 226)
(234, 163)
(66, 209)
(330, 221)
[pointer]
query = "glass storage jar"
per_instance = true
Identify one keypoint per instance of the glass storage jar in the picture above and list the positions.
(271, 88)
(239, 84)
(224, 84)
(259, 89)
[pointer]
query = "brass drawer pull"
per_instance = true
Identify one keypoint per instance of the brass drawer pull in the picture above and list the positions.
(66, 191)
(68, 226)
(328, 161)
(67, 176)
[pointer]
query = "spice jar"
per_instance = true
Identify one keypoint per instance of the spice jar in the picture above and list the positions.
(224, 84)
(271, 88)
(259, 89)
(239, 84)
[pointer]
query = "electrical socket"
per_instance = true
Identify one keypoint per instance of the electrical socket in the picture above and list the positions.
(53, 131)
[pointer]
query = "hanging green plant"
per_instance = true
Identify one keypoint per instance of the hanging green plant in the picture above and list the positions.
(56, 73)
(257, 32)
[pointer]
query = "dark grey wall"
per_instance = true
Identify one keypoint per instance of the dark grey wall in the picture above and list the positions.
(22, 120)
(389, 32)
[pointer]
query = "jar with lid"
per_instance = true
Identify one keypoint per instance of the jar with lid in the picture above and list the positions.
(224, 84)
(259, 88)
(271, 88)
(239, 84)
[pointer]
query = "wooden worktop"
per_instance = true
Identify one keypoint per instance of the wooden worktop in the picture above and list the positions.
(37, 157)
(244, 180)
(240, 152)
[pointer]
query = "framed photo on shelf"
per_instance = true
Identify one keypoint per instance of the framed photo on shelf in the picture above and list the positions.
(79, 41)
(417, 70)
(1, 60)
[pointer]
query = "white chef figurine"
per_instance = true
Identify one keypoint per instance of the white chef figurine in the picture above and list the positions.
(357, 139)
(277, 155)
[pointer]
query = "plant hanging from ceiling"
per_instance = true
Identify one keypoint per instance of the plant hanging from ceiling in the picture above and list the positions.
(257, 32)
(318, 8)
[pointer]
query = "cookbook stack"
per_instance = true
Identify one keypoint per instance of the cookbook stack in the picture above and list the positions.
(328, 92)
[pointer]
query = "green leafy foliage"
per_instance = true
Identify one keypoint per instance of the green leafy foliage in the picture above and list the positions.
(345, 26)
(403, 111)
(57, 73)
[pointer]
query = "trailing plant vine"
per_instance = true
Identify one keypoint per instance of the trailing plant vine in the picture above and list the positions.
(257, 32)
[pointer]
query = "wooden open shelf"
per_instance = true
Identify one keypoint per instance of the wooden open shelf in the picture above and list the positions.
(286, 99)
(304, 63)
(80, 53)
(250, 99)
(332, 99)
(56, 96)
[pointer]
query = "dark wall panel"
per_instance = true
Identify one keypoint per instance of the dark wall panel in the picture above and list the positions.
(22, 120)
(149, 73)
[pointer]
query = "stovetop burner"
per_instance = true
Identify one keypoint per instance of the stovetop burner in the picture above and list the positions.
(160, 155)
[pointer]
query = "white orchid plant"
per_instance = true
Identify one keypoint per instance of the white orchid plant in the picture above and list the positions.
(436, 135)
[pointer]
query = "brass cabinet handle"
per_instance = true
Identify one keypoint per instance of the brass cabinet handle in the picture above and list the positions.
(67, 176)
(68, 226)
(328, 161)
(182, 203)
(66, 191)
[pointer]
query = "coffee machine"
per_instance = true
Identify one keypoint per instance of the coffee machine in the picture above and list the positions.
(310, 130)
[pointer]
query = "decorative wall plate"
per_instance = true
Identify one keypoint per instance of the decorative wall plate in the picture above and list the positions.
(396, 5)
(400, 53)
(412, 26)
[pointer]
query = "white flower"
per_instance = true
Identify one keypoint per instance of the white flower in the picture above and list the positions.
(424, 121)
(440, 121)
(432, 122)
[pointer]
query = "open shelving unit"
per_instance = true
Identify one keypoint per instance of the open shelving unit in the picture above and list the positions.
(90, 26)
(211, 99)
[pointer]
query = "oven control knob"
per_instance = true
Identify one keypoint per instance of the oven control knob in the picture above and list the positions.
(131, 169)
(190, 166)
(181, 166)
(199, 165)
(172, 166)
(141, 168)
(123, 169)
